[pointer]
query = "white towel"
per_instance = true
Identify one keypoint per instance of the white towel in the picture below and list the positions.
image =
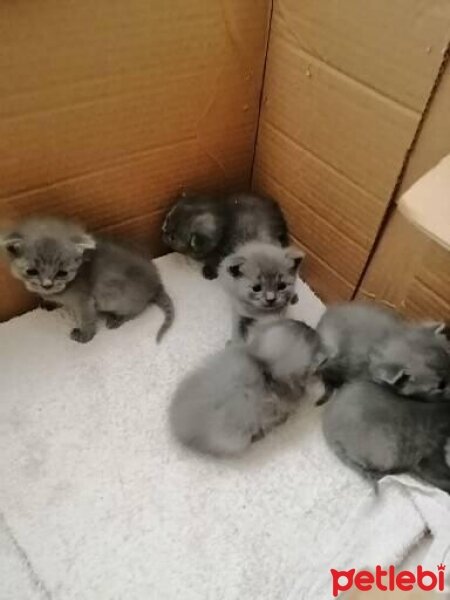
(98, 502)
(385, 529)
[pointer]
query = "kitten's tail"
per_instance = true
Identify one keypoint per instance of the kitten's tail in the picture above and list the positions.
(164, 301)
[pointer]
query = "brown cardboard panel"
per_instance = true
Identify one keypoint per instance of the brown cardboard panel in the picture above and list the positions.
(129, 189)
(316, 233)
(356, 131)
(393, 47)
(346, 206)
(427, 203)
(85, 86)
(342, 101)
(109, 110)
(422, 303)
(434, 140)
(327, 284)
(143, 233)
(410, 272)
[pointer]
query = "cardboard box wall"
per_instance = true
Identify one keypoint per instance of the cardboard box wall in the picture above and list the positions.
(108, 109)
(410, 270)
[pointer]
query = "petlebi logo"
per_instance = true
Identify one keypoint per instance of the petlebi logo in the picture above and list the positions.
(388, 580)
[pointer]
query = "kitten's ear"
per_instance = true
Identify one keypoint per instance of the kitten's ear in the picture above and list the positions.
(197, 241)
(392, 375)
(234, 266)
(319, 360)
(13, 244)
(296, 256)
(84, 242)
(439, 328)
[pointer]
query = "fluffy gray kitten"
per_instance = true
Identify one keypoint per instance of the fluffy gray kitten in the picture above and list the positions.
(66, 266)
(260, 280)
(208, 228)
(244, 391)
(369, 342)
(378, 432)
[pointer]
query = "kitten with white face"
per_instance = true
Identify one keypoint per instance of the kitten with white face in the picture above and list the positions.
(241, 393)
(66, 266)
(260, 280)
(46, 254)
(368, 342)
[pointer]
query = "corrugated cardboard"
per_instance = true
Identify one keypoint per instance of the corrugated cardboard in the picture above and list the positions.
(345, 88)
(409, 269)
(410, 272)
(427, 203)
(434, 140)
(109, 108)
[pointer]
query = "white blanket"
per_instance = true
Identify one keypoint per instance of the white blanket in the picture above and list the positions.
(98, 502)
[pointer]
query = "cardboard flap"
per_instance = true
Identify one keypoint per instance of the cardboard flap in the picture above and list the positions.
(427, 203)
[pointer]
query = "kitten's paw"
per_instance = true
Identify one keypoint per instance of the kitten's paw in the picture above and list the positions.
(48, 306)
(294, 299)
(114, 321)
(82, 336)
(209, 272)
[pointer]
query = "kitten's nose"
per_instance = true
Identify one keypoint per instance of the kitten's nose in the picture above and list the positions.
(47, 283)
(270, 297)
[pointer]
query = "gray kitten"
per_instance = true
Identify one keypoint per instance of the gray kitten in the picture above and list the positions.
(208, 228)
(66, 266)
(260, 280)
(244, 391)
(369, 342)
(378, 432)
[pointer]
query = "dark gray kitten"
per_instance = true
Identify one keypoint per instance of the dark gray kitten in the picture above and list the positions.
(209, 228)
(244, 391)
(378, 432)
(260, 280)
(66, 266)
(369, 342)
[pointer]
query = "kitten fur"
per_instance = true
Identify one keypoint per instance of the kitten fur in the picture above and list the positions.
(209, 228)
(369, 342)
(377, 432)
(66, 266)
(260, 281)
(244, 391)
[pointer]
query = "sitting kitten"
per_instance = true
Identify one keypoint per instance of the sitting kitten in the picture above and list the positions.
(64, 265)
(369, 342)
(208, 228)
(377, 432)
(260, 280)
(244, 391)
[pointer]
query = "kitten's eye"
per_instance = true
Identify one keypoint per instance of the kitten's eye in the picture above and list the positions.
(281, 286)
(257, 288)
(61, 273)
(400, 382)
(32, 272)
(442, 385)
